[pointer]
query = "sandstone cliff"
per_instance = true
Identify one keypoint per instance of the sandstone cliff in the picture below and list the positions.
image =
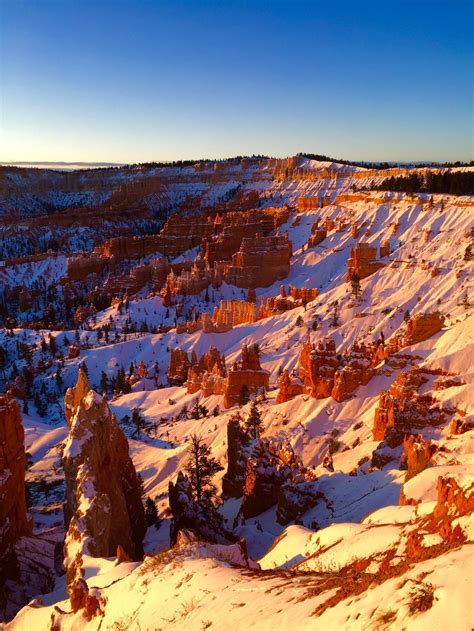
(103, 508)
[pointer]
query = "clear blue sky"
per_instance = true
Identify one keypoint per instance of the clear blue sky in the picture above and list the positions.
(133, 81)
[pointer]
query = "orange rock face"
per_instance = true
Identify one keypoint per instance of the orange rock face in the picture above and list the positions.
(454, 500)
(230, 229)
(362, 261)
(259, 262)
(289, 388)
(207, 374)
(417, 454)
(324, 373)
(421, 327)
(14, 519)
(180, 365)
(103, 506)
(402, 410)
(269, 467)
(247, 372)
(317, 367)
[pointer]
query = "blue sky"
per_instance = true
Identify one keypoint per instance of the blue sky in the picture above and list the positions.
(85, 80)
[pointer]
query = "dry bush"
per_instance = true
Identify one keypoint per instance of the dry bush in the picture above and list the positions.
(421, 598)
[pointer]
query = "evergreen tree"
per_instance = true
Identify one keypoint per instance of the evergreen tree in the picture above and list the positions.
(139, 423)
(201, 467)
(253, 424)
(299, 321)
(355, 285)
(335, 315)
(244, 395)
(151, 514)
(59, 379)
(52, 345)
(103, 382)
(465, 301)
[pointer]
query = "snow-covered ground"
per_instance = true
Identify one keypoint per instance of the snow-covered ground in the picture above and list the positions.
(202, 586)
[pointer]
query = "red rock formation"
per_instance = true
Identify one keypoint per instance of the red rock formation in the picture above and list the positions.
(103, 506)
(455, 499)
(208, 374)
(180, 365)
(247, 372)
(259, 262)
(362, 261)
(289, 388)
(190, 282)
(460, 426)
(417, 454)
(308, 203)
(357, 371)
(231, 228)
(270, 466)
(384, 249)
(295, 499)
(14, 520)
(421, 327)
(230, 313)
(317, 236)
(317, 367)
(73, 352)
(401, 410)
(79, 267)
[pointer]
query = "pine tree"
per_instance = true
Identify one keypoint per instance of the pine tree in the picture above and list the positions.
(244, 395)
(253, 424)
(52, 345)
(151, 514)
(335, 315)
(201, 467)
(406, 316)
(299, 321)
(355, 285)
(139, 423)
(465, 301)
(103, 382)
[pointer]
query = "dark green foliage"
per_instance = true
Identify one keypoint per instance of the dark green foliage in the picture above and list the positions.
(201, 467)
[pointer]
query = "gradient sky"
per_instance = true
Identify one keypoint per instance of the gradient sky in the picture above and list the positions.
(110, 80)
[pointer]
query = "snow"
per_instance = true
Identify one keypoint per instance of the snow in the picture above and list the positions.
(360, 515)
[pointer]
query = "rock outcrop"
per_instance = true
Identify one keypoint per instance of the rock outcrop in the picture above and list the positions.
(421, 327)
(295, 499)
(362, 261)
(259, 262)
(14, 520)
(402, 410)
(317, 367)
(246, 373)
(269, 467)
(208, 374)
(179, 366)
(290, 387)
(103, 508)
(417, 454)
